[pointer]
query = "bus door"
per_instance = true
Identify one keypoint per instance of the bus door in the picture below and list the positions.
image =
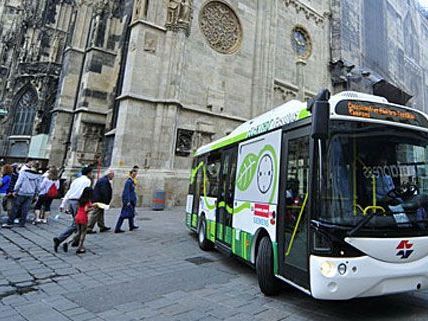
(293, 223)
(198, 192)
(226, 193)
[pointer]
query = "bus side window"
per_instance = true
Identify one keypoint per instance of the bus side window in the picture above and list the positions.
(297, 178)
(213, 175)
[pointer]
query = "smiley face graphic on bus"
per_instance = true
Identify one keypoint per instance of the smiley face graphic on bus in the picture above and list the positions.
(265, 173)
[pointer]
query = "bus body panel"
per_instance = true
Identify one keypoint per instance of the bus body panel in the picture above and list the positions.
(207, 207)
(189, 208)
(365, 276)
(393, 250)
(256, 192)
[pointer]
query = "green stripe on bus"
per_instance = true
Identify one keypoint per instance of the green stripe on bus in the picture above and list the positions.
(194, 220)
(228, 235)
(230, 141)
(275, 257)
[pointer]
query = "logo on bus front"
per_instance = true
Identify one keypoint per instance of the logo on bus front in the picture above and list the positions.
(404, 249)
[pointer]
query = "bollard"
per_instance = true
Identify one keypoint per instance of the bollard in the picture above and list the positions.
(158, 201)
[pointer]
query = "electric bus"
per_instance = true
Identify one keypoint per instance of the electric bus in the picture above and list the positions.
(329, 196)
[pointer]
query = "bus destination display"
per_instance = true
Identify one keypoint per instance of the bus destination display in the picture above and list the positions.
(380, 112)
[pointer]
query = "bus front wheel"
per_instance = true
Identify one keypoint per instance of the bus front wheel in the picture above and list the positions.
(264, 267)
(203, 242)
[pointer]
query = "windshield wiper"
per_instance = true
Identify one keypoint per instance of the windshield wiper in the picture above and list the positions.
(363, 222)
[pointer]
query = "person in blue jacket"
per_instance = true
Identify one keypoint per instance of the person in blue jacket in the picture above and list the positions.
(129, 201)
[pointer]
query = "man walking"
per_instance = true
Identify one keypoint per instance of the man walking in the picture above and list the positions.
(70, 202)
(102, 194)
(25, 189)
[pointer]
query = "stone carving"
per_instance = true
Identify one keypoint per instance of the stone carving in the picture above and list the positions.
(150, 42)
(179, 15)
(137, 10)
(220, 26)
(309, 13)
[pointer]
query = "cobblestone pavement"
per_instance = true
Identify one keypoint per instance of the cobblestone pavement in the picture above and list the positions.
(156, 273)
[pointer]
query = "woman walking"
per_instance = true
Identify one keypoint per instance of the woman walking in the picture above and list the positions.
(48, 192)
(129, 201)
(7, 171)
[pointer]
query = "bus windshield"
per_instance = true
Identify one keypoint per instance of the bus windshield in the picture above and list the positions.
(375, 170)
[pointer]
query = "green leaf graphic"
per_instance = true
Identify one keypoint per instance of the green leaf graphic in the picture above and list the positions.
(246, 172)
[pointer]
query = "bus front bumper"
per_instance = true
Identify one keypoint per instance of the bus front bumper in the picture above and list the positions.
(347, 278)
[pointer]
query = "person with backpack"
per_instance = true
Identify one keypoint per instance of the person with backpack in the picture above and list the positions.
(49, 190)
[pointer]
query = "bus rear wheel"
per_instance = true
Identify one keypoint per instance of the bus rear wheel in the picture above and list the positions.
(203, 242)
(264, 267)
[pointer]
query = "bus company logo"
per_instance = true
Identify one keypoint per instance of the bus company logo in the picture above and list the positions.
(262, 215)
(404, 249)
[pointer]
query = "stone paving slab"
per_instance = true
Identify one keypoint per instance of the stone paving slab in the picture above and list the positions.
(146, 275)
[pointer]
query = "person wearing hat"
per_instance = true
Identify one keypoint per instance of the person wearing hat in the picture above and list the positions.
(26, 188)
(71, 202)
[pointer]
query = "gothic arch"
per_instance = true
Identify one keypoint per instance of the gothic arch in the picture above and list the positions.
(24, 111)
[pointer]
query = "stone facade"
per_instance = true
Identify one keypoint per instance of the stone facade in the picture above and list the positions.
(33, 36)
(143, 82)
(381, 47)
(197, 69)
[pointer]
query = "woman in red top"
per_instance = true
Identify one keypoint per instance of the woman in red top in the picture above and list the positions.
(81, 218)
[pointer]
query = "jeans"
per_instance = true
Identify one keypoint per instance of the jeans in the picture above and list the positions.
(72, 207)
(21, 206)
(120, 222)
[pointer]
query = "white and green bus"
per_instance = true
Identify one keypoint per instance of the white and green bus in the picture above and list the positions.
(330, 196)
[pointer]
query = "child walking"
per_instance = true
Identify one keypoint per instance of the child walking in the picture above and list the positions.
(81, 219)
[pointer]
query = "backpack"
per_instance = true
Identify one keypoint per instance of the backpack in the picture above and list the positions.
(53, 191)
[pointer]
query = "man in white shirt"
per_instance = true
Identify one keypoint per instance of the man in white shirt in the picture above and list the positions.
(70, 201)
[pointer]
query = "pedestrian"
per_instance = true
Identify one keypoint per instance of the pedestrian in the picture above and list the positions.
(28, 164)
(129, 201)
(81, 220)
(7, 171)
(26, 188)
(103, 194)
(70, 203)
(49, 190)
(9, 194)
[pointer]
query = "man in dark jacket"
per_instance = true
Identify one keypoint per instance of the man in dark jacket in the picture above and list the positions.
(102, 194)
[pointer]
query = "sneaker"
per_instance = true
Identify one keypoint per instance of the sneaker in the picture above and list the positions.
(119, 231)
(80, 251)
(105, 229)
(6, 225)
(45, 221)
(91, 232)
(65, 247)
(56, 244)
(134, 228)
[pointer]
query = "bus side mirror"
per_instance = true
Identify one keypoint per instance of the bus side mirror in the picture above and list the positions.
(320, 109)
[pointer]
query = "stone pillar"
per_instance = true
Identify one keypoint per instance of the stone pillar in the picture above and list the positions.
(264, 58)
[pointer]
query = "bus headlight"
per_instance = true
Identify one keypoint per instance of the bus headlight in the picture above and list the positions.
(328, 269)
(341, 269)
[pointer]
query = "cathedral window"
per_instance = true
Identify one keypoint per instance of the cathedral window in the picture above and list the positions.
(25, 112)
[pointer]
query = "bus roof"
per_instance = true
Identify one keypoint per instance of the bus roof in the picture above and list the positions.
(295, 110)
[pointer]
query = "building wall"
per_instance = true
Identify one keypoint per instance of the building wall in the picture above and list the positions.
(386, 38)
(181, 91)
